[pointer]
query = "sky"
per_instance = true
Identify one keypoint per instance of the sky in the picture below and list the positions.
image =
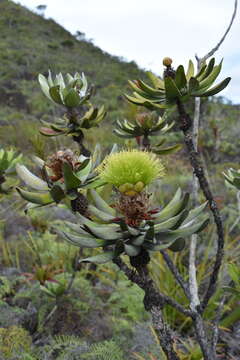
(148, 30)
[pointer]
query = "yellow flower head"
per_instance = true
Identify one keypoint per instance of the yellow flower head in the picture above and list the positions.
(131, 170)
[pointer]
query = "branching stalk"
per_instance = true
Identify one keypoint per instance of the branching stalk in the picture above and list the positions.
(154, 302)
(195, 160)
(193, 286)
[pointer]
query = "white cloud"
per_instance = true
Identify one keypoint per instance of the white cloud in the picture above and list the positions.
(146, 31)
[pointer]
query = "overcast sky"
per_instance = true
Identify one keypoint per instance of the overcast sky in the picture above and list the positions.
(147, 30)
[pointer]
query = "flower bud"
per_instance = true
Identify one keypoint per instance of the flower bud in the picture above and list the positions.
(130, 193)
(167, 61)
(139, 186)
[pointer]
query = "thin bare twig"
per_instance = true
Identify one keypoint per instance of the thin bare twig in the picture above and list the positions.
(207, 350)
(176, 273)
(195, 160)
(216, 322)
(193, 285)
(215, 48)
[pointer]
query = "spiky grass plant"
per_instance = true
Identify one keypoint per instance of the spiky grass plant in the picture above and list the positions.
(8, 161)
(131, 170)
(233, 177)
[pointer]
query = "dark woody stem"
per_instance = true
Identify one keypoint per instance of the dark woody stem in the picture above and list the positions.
(72, 116)
(195, 160)
(146, 143)
(79, 139)
(154, 303)
(2, 179)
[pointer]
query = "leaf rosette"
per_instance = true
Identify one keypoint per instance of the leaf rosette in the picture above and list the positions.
(168, 228)
(177, 85)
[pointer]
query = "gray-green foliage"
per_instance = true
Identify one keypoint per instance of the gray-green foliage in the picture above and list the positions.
(106, 350)
(5, 287)
(129, 302)
(66, 347)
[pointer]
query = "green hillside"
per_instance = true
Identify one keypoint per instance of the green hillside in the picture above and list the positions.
(31, 45)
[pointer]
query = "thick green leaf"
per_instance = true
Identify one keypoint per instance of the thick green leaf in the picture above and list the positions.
(193, 214)
(57, 193)
(201, 71)
(193, 85)
(72, 99)
(169, 236)
(149, 90)
(209, 80)
(102, 215)
(31, 180)
(122, 134)
(44, 85)
(156, 246)
(48, 132)
(84, 221)
(180, 78)
(168, 150)
(172, 223)
(208, 70)
(173, 208)
(178, 245)
(94, 184)
(55, 94)
(139, 91)
(36, 198)
(149, 235)
(156, 81)
(138, 240)
(83, 172)
(235, 173)
(190, 70)
(172, 92)
(133, 231)
(216, 89)
(4, 163)
(101, 258)
(132, 250)
(83, 240)
(76, 228)
(105, 232)
(71, 181)
(102, 204)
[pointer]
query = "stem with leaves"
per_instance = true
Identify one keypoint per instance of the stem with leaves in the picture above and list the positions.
(72, 114)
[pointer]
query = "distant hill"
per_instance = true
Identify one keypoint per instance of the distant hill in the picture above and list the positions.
(31, 44)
